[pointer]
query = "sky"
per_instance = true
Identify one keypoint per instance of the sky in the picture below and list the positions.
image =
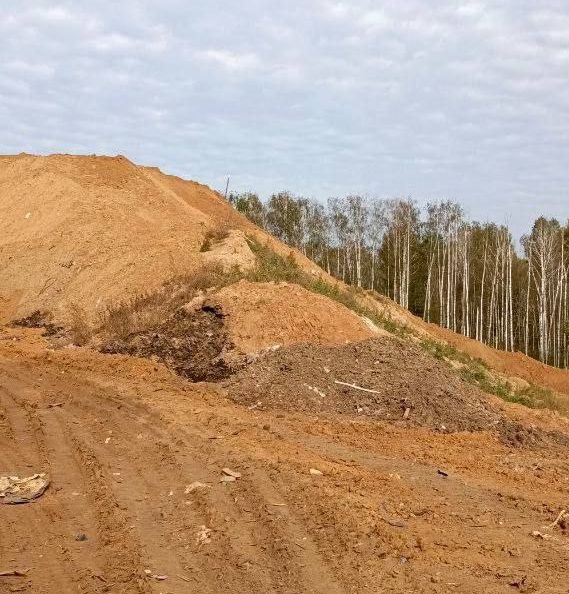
(431, 99)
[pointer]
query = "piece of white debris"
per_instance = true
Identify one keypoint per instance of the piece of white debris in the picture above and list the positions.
(14, 489)
(155, 576)
(195, 486)
(230, 472)
(538, 534)
(316, 472)
(204, 535)
(107, 440)
(315, 390)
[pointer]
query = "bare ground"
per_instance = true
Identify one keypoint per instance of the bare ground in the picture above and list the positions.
(129, 437)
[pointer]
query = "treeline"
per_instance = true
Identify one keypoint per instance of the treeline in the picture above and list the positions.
(465, 276)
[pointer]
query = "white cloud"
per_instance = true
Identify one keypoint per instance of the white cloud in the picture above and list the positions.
(52, 14)
(375, 20)
(430, 97)
(230, 60)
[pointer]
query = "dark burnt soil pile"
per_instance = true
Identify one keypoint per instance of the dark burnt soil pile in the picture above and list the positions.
(390, 380)
(193, 344)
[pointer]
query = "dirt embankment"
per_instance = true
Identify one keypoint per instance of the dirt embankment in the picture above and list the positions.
(261, 315)
(79, 233)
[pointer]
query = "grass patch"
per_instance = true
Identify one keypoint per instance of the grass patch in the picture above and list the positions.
(271, 267)
(38, 319)
(537, 397)
(152, 309)
(477, 374)
(214, 236)
(443, 351)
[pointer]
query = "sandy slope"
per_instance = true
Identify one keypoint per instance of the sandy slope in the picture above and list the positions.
(261, 315)
(82, 232)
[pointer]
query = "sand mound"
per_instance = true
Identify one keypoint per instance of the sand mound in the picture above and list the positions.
(261, 315)
(83, 232)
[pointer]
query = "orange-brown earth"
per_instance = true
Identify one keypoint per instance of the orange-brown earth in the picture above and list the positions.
(402, 503)
(80, 233)
(127, 438)
(262, 315)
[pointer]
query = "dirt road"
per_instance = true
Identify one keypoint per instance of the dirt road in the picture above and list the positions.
(127, 439)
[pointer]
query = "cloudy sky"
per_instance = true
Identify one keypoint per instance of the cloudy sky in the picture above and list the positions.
(430, 99)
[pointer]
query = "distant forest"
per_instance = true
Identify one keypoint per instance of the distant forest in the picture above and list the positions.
(465, 276)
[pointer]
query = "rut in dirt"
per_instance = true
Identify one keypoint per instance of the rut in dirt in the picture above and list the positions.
(120, 475)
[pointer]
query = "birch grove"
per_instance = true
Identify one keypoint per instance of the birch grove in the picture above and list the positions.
(465, 276)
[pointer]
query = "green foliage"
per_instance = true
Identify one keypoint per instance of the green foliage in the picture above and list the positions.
(271, 267)
(537, 397)
(250, 205)
(476, 374)
(444, 351)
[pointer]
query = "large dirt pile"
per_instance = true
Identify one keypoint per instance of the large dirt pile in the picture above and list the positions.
(384, 378)
(78, 233)
(83, 231)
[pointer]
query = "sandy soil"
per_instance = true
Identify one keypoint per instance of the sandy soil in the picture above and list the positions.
(129, 437)
(78, 233)
(261, 315)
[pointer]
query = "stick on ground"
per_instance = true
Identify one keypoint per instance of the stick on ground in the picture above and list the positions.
(355, 387)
